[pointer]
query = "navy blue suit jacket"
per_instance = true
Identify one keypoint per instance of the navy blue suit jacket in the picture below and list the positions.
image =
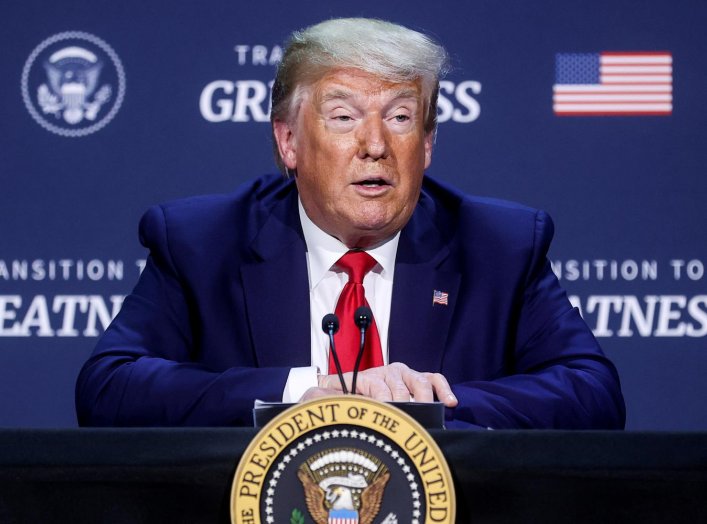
(221, 313)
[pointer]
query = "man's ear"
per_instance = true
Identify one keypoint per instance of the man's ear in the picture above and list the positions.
(429, 142)
(286, 143)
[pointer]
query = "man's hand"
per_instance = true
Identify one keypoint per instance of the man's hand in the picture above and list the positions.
(394, 382)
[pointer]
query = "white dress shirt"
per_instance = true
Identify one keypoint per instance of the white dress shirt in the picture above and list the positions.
(325, 285)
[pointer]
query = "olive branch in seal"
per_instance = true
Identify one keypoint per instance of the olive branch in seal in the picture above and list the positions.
(296, 517)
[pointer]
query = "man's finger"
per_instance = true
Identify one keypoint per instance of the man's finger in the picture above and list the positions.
(376, 387)
(331, 382)
(394, 376)
(313, 393)
(419, 386)
(442, 389)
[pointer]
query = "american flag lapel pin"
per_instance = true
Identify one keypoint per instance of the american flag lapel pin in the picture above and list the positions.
(440, 297)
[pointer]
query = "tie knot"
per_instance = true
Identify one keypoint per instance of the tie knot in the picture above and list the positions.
(356, 264)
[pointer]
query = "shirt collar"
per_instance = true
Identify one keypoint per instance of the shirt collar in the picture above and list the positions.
(323, 250)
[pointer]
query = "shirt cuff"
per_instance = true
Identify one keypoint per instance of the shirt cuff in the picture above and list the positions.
(298, 381)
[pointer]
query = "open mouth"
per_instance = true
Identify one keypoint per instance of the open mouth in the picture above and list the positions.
(372, 182)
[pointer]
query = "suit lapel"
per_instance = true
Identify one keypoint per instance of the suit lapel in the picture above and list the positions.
(277, 290)
(419, 328)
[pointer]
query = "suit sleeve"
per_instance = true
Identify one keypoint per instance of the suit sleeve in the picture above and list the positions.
(558, 375)
(145, 369)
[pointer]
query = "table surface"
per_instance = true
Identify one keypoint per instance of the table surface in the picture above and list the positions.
(185, 475)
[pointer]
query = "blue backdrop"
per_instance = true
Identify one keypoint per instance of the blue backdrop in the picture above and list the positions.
(109, 107)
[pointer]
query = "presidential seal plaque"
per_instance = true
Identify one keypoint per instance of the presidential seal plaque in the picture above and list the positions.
(342, 460)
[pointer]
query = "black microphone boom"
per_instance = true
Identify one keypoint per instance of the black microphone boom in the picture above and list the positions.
(363, 318)
(330, 325)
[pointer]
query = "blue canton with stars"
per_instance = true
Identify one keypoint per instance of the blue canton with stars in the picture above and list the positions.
(577, 68)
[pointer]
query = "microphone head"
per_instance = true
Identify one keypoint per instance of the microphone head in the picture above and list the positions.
(330, 322)
(363, 316)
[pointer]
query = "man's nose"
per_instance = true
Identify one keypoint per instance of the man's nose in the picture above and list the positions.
(372, 138)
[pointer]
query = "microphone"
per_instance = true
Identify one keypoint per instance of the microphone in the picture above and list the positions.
(362, 318)
(330, 325)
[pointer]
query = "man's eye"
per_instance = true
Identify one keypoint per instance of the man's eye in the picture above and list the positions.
(342, 118)
(402, 118)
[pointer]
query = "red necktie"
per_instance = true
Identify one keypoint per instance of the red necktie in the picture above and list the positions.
(348, 338)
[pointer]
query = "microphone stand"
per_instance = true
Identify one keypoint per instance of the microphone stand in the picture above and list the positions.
(362, 318)
(330, 325)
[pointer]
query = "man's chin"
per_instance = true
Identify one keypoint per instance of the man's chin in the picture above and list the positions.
(368, 235)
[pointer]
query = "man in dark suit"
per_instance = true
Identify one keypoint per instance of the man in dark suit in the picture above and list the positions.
(466, 308)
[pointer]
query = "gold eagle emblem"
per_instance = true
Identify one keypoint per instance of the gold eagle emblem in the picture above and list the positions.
(343, 479)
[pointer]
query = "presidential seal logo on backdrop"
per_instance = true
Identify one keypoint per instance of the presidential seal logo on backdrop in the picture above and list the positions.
(342, 460)
(73, 84)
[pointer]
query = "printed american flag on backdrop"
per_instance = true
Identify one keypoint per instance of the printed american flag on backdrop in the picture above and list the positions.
(440, 297)
(613, 83)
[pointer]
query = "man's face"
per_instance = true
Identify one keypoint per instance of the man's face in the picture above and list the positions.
(359, 147)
